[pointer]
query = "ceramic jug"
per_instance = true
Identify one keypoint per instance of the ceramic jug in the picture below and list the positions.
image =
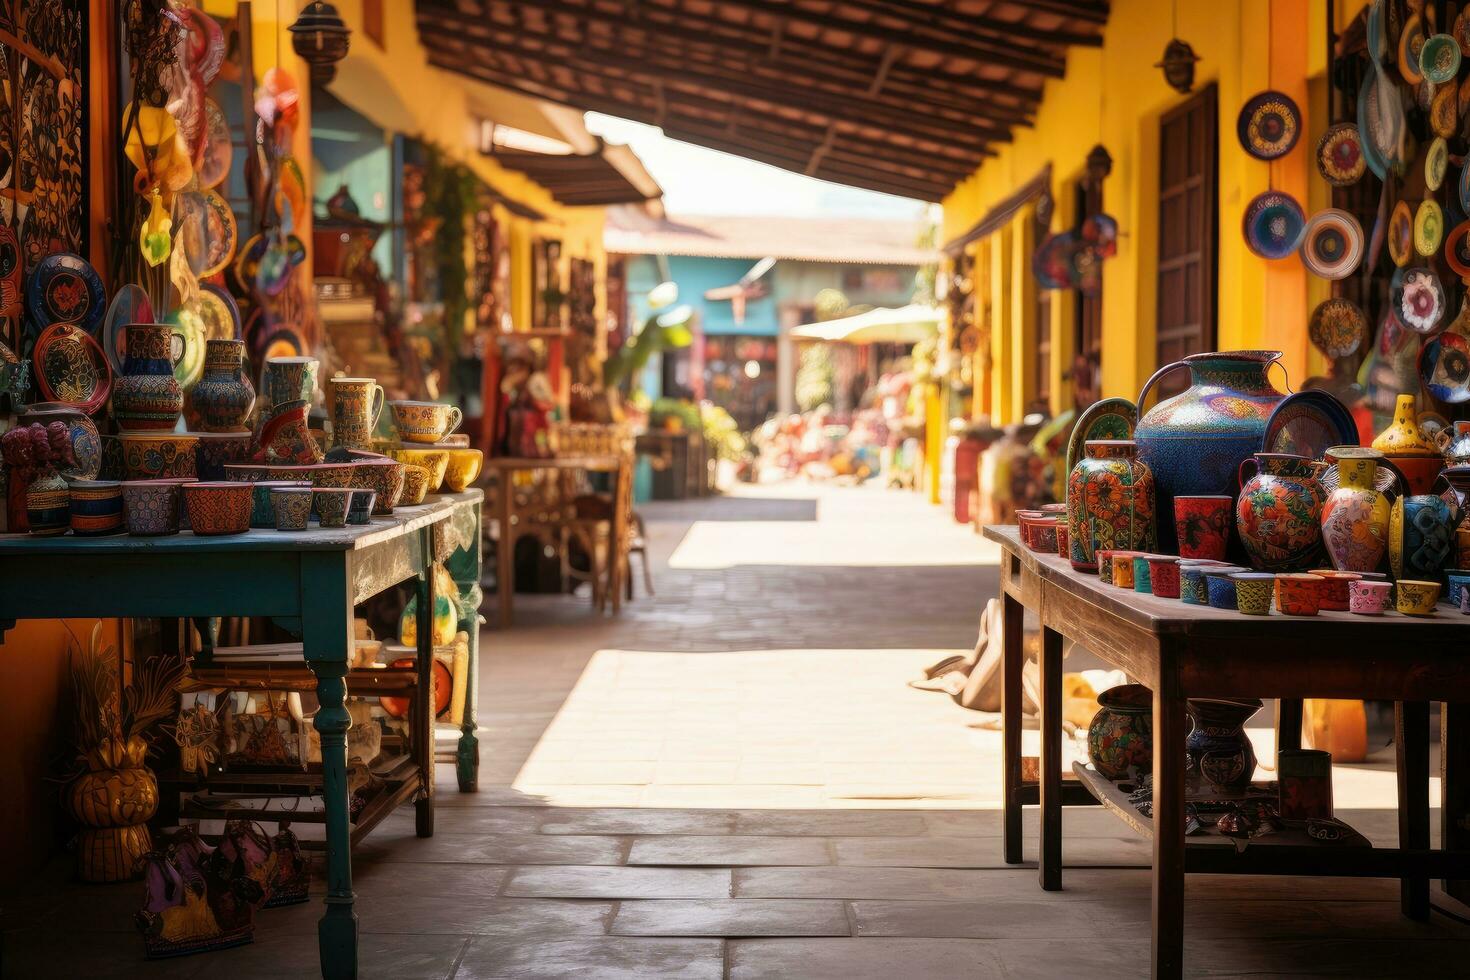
(1110, 502)
(1279, 514)
(1217, 748)
(355, 404)
(1195, 441)
(1120, 740)
(147, 396)
(1455, 444)
(224, 396)
(1418, 459)
(1356, 515)
(283, 436)
(1421, 537)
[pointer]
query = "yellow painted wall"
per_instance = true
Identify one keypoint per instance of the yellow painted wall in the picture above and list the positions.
(1113, 95)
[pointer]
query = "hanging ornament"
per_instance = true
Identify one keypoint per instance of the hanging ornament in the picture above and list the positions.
(154, 238)
(320, 38)
(1178, 65)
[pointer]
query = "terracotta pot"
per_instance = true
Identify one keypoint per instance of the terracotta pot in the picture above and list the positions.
(1355, 516)
(1120, 738)
(224, 396)
(218, 508)
(1110, 502)
(154, 456)
(1418, 459)
(1279, 514)
(146, 396)
(1421, 536)
(86, 444)
(1217, 747)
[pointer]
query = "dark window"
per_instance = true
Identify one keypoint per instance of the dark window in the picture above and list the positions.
(1187, 228)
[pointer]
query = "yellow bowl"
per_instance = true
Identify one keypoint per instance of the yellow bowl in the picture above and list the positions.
(433, 460)
(415, 484)
(464, 469)
(1416, 598)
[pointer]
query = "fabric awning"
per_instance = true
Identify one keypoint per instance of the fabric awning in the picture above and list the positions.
(996, 218)
(904, 325)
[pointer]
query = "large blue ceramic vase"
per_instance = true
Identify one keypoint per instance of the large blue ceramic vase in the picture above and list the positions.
(1195, 441)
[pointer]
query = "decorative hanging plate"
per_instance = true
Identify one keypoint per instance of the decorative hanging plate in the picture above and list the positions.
(1411, 41)
(281, 343)
(1428, 227)
(247, 264)
(1377, 34)
(10, 273)
(1332, 244)
(129, 305)
(1423, 302)
(1436, 162)
(206, 227)
(219, 312)
(187, 348)
(1109, 418)
(1444, 111)
(1444, 367)
(1401, 234)
(204, 46)
(71, 367)
(1337, 326)
(1269, 125)
(1273, 224)
(1457, 250)
(1372, 159)
(1340, 155)
(64, 288)
(1308, 424)
(219, 151)
(1439, 58)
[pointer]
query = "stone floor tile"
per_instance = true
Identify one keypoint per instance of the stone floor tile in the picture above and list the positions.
(817, 823)
(607, 958)
(729, 851)
(445, 848)
(389, 878)
(731, 917)
(864, 959)
(445, 913)
(897, 883)
(619, 882)
(638, 821)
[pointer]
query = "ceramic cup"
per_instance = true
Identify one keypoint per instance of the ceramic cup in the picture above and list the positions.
(1299, 594)
(1334, 591)
(1105, 565)
(96, 507)
(425, 421)
(1163, 576)
(1193, 588)
(1220, 587)
(1203, 526)
(218, 507)
(1123, 569)
(292, 507)
(330, 505)
(1253, 592)
(151, 507)
(416, 480)
(1368, 597)
(354, 404)
(1459, 578)
(262, 510)
(360, 511)
(1416, 598)
(1044, 536)
(1141, 580)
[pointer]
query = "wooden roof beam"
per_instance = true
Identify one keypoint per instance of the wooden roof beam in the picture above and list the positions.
(938, 18)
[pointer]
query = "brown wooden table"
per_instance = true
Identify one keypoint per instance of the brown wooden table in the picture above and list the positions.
(617, 464)
(1181, 651)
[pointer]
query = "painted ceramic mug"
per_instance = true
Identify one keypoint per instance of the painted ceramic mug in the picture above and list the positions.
(1142, 582)
(356, 404)
(1334, 593)
(1123, 569)
(1416, 598)
(1253, 592)
(1298, 594)
(1220, 587)
(1203, 526)
(425, 421)
(330, 505)
(1163, 576)
(1369, 597)
(292, 507)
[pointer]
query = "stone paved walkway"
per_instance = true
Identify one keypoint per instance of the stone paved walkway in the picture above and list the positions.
(731, 780)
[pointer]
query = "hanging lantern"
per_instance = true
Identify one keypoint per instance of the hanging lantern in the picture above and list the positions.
(1178, 64)
(320, 38)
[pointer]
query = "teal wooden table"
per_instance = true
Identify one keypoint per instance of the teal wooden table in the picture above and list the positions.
(306, 581)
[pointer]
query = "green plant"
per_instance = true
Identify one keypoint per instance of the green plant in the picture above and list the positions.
(668, 330)
(721, 433)
(814, 372)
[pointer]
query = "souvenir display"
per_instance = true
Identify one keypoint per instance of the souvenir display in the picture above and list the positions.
(206, 231)
(1278, 517)
(1332, 244)
(1423, 301)
(1356, 513)
(1337, 327)
(1444, 111)
(1120, 739)
(1273, 225)
(364, 502)
(1110, 502)
(1340, 158)
(216, 450)
(191, 901)
(35, 453)
(1269, 125)
(1333, 591)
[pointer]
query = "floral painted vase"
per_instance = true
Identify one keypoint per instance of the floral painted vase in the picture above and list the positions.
(1120, 739)
(1421, 537)
(1356, 515)
(1217, 748)
(1110, 502)
(1279, 514)
(1418, 459)
(147, 396)
(224, 396)
(1195, 441)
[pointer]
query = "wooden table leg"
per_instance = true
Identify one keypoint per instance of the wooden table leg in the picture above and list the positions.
(464, 567)
(616, 532)
(1288, 723)
(1013, 658)
(1049, 870)
(1170, 728)
(1454, 795)
(1411, 742)
(505, 551)
(422, 718)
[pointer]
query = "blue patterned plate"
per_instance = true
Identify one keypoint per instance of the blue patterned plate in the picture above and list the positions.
(64, 288)
(1273, 225)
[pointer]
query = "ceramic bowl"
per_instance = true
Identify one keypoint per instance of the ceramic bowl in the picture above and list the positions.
(262, 510)
(1253, 592)
(436, 461)
(330, 505)
(361, 509)
(1369, 597)
(1416, 598)
(1163, 576)
(424, 421)
(1334, 592)
(1220, 587)
(246, 472)
(1044, 536)
(291, 507)
(220, 507)
(216, 450)
(416, 480)
(96, 507)
(151, 456)
(337, 475)
(1299, 593)
(152, 507)
(384, 477)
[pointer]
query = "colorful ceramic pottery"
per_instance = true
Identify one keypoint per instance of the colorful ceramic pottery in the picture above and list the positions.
(1404, 445)
(1120, 738)
(1123, 568)
(436, 461)
(288, 386)
(1110, 502)
(1308, 423)
(218, 507)
(1416, 598)
(464, 469)
(147, 397)
(216, 450)
(384, 477)
(1369, 597)
(1304, 790)
(291, 507)
(1278, 517)
(1217, 747)
(1423, 302)
(1458, 581)
(1401, 234)
(262, 508)
(415, 485)
(1421, 536)
(48, 505)
(1253, 592)
(129, 305)
(354, 405)
(64, 288)
(1340, 155)
(1355, 515)
(1273, 225)
(1299, 593)
(1107, 418)
(1163, 576)
(148, 456)
(86, 444)
(1220, 587)
(330, 505)
(361, 509)
(70, 367)
(1044, 535)
(1332, 244)
(1444, 361)
(1335, 592)
(1202, 525)
(1439, 58)
(1195, 441)
(1454, 443)
(425, 421)
(152, 507)
(1428, 227)
(1105, 565)
(1269, 125)
(1411, 42)
(225, 396)
(1436, 163)
(96, 507)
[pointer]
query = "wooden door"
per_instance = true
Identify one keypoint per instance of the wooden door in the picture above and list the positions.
(1188, 193)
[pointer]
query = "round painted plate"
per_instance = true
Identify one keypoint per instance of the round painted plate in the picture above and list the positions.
(1269, 125)
(1401, 234)
(1273, 225)
(1422, 305)
(1372, 159)
(218, 312)
(1332, 244)
(187, 347)
(71, 367)
(1428, 227)
(64, 288)
(1439, 58)
(1444, 111)
(1109, 418)
(1444, 367)
(1411, 41)
(1337, 326)
(219, 151)
(1436, 162)
(1340, 155)
(247, 264)
(282, 343)
(129, 305)
(205, 225)
(1308, 424)
(1457, 250)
